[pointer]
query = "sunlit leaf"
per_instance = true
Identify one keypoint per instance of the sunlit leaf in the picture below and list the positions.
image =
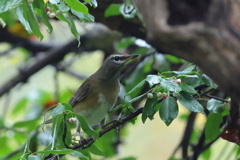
(59, 109)
(82, 16)
(9, 4)
(112, 10)
(153, 79)
(76, 5)
(79, 155)
(169, 85)
(34, 157)
(215, 106)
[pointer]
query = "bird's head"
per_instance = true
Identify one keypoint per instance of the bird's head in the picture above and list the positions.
(114, 64)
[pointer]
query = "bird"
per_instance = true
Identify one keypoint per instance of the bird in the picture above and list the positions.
(99, 93)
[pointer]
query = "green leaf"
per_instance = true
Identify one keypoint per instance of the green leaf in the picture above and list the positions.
(62, 7)
(79, 155)
(43, 14)
(21, 105)
(188, 70)
(187, 88)
(208, 81)
(30, 124)
(95, 150)
(168, 110)
(6, 5)
(113, 10)
(169, 85)
(76, 5)
(58, 151)
(72, 26)
(149, 109)
(190, 67)
(193, 81)
(215, 106)
(189, 102)
(88, 1)
(137, 98)
(139, 85)
(212, 129)
(153, 79)
(173, 59)
(57, 132)
(113, 110)
(59, 109)
(27, 17)
(82, 16)
(34, 157)
(86, 128)
(206, 154)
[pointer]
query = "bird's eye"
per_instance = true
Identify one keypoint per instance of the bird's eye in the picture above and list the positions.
(116, 58)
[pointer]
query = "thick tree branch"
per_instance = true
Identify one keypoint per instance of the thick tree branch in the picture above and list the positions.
(30, 45)
(100, 37)
(53, 56)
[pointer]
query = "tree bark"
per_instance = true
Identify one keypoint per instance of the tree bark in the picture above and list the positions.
(207, 34)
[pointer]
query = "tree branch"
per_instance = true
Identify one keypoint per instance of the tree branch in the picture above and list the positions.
(116, 124)
(55, 55)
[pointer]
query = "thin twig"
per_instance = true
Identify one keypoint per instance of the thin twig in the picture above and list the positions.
(214, 97)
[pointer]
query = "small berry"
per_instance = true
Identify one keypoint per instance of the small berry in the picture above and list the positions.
(48, 12)
(72, 120)
(52, 15)
(150, 95)
(164, 95)
(178, 81)
(58, 12)
(175, 94)
(30, 1)
(73, 138)
(48, 9)
(159, 94)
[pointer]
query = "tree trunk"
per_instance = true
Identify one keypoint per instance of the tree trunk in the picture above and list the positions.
(205, 32)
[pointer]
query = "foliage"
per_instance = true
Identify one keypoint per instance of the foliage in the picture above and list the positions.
(156, 82)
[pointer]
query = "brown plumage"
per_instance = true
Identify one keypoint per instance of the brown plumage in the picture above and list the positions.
(98, 94)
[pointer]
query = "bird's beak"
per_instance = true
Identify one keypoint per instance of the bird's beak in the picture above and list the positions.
(128, 58)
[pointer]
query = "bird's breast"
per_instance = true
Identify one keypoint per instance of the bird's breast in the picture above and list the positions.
(96, 114)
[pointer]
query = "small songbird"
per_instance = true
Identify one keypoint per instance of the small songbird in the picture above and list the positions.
(99, 93)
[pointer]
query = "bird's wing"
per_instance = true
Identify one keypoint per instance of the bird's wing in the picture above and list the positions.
(80, 94)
